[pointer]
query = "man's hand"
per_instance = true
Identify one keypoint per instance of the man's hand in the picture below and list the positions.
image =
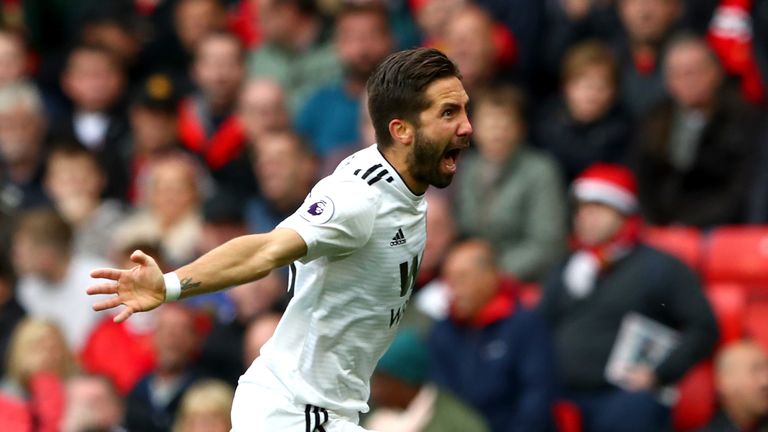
(140, 288)
(641, 378)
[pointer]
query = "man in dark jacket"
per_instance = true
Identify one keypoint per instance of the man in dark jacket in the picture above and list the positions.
(492, 352)
(608, 276)
(696, 151)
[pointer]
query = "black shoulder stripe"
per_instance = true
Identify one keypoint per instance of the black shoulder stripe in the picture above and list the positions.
(370, 171)
(390, 179)
(378, 177)
(357, 171)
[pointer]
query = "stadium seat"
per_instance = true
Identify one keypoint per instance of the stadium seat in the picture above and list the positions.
(567, 416)
(729, 302)
(738, 254)
(697, 401)
(756, 322)
(685, 243)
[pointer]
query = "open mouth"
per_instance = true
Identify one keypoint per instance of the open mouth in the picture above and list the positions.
(450, 157)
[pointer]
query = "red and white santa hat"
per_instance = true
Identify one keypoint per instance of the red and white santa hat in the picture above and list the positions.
(610, 184)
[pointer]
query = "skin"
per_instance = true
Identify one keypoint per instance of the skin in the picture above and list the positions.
(742, 383)
(692, 75)
(590, 95)
(595, 223)
(443, 131)
(471, 277)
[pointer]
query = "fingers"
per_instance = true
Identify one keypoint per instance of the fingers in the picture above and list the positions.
(123, 315)
(141, 258)
(107, 304)
(103, 288)
(107, 273)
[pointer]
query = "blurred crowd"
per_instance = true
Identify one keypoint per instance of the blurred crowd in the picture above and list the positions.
(173, 126)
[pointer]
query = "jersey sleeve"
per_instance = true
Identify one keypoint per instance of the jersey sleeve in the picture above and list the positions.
(335, 219)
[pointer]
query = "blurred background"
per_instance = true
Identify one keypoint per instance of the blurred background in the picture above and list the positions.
(619, 165)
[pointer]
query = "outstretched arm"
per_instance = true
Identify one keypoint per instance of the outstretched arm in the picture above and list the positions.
(240, 260)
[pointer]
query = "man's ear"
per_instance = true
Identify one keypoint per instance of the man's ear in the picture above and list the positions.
(401, 131)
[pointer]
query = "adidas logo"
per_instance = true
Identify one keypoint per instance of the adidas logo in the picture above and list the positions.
(398, 239)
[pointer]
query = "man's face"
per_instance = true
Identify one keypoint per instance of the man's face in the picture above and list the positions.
(590, 95)
(692, 77)
(262, 108)
(195, 19)
(93, 81)
(469, 42)
(499, 131)
(219, 70)
(153, 130)
(362, 41)
(648, 21)
(470, 278)
(281, 169)
(443, 132)
(744, 383)
(596, 223)
(21, 134)
(11, 59)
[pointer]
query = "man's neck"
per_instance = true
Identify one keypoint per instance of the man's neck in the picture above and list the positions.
(398, 158)
(741, 418)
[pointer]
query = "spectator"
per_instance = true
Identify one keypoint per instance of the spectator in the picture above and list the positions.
(609, 275)
(296, 49)
(329, 118)
(509, 193)
(571, 22)
(742, 383)
(113, 26)
(31, 393)
(367, 137)
(194, 20)
(11, 313)
(258, 332)
(74, 181)
(433, 17)
(22, 153)
(696, 150)
(492, 352)
(285, 171)
(94, 81)
(586, 124)
(152, 404)
(170, 212)
(12, 58)
(92, 404)
(406, 402)
(208, 125)
(179, 27)
(52, 275)
(262, 109)
(648, 25)
(469, 42)
(205, 407)
(154, 127)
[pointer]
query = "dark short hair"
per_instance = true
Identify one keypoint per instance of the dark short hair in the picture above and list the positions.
(397, 87)
(99, 49)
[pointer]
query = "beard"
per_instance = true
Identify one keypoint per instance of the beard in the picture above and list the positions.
(425, 160)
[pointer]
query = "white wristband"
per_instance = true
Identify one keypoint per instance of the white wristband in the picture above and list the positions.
(172, 286)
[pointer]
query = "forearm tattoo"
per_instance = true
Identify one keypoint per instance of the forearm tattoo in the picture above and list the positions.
(188, 283)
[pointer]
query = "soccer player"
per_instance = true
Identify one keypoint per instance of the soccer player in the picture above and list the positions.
(353, 247)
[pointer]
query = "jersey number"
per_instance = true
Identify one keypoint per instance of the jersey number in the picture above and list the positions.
(408, 275)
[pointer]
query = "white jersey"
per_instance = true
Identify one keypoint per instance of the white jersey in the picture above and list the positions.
(365, 233)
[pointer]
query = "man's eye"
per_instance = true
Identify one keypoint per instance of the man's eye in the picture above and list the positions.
(447, 113)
